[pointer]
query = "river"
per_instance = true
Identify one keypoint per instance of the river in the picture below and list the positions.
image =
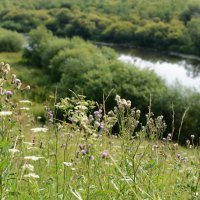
(173, 68)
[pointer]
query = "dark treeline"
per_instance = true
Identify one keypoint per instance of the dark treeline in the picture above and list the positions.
(86, 69)
(170, 25)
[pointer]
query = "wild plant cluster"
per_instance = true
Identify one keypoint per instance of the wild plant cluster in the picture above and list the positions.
(91, 153)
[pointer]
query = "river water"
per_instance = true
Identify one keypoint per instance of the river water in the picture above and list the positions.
(173, 68)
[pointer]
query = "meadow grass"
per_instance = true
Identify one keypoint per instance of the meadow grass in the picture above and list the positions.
(91, 153)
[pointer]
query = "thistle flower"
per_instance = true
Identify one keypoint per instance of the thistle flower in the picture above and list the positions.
(192, 137)
(104, 154)
(28, 87)
(13, 79)
(101, 125)
(96, 124)
(81, 147)
(83, 151)
(8, 94)
(7, 67)
(92, 157)
(18, 83)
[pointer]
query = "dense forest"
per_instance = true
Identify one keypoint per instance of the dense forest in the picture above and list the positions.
(168, 25)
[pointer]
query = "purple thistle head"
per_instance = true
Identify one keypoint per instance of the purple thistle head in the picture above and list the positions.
(104, 154)
(101, 125)
(8, 94)
(83, 151)
(92, 157)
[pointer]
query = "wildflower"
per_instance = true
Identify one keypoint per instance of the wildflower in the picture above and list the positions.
(68, 164)
(36, 130)
(92, 157)
(18, 83)
(192, 137)
(104, 154)
(28, 87)
(8, 94)
(24, 108)
(25, 101)
(81, 147)
(28, 166)
(155, 146)
(83, 151)
(111, 114)
(50, 116)
(5, 113)
(13, 79)
(178, 156)
(164, 140)
(101, 125)
(169, 137)
(188, 142)
(31, 175)
(13, 151)
(35, 158)
(128, 104)
(96, 124)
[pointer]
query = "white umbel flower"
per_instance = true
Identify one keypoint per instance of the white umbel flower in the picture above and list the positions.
(68, 164)
(33, 158)
(36, 130)
(13, 151)
(5, 113)
(25, 101)
(28, 166)
(31, 175)
(24, 108)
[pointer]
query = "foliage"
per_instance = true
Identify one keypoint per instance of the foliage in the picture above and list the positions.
(80, 158)
(73, 64)
(162, 25)
(10, 41)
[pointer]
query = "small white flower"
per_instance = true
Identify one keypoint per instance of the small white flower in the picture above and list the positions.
(31, 175)
(29, 143)
(36, 130)
(24, 108)
(68, 164)
(28, 166)
(25, 101)
(13, 151)
(33, 157)
(5, 113)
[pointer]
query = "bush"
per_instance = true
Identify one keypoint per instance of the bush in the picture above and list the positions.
(10, 41)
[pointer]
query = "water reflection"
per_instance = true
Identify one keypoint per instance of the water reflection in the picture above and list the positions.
(172, 68)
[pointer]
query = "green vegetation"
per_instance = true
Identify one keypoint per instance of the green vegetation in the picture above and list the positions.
(73, 64)
(10, 41)
(167, 25)
(61, 145)
(80, 158)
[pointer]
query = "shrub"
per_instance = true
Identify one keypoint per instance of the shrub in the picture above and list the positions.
(10, 41)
